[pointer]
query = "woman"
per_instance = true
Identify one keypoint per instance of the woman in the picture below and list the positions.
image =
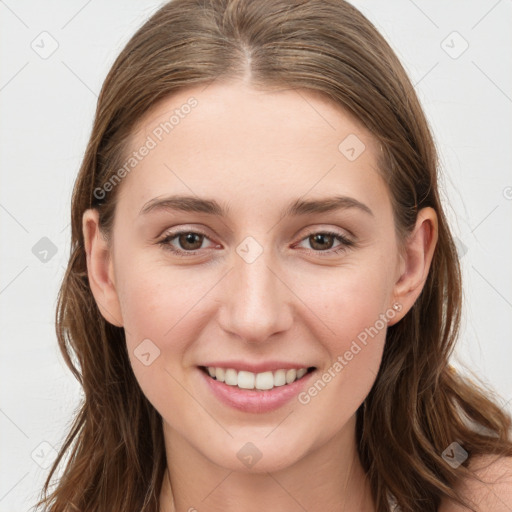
(263, 291)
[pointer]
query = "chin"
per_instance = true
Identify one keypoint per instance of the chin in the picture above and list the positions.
(257, 456)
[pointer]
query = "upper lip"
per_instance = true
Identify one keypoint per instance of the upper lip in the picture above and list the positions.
(265, 366)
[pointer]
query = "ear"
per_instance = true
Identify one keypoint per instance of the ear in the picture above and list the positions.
(415, 262)
(100, 269)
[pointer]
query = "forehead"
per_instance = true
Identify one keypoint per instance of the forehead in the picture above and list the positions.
(238, 109)
(237, 142)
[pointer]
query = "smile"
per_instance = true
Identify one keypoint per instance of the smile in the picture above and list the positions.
(258, 381)
(263, 392)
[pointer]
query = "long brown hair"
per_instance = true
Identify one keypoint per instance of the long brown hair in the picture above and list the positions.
(114, 453)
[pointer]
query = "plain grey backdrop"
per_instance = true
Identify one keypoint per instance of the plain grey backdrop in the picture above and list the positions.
(55, 56)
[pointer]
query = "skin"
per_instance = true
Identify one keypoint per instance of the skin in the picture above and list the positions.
(256, 152)
(491, 489)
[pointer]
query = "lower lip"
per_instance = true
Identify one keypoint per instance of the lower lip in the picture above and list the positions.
(249, 400)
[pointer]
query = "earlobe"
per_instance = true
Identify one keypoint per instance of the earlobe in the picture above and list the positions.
(100, 269)
(416, 260)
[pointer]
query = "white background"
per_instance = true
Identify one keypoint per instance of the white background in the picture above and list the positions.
(47, 110)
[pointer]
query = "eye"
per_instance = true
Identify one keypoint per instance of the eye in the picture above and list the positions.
(190, 242)
(322, 242)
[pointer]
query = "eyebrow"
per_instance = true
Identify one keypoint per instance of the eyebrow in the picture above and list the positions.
(212, 207)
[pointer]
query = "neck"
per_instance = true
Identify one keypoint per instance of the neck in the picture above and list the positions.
(329, 478)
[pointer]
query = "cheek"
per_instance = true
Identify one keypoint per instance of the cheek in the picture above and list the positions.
(354, 357)
(352, 313)
(163, 305)
(347, 299)
(159, 324)
(155, 299)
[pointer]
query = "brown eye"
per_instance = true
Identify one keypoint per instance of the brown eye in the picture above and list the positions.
(190, 241)
(321, 241)
(183, 243)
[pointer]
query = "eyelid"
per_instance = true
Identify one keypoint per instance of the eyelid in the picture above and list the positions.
(345, 242)
(335, 231)
(165, 238)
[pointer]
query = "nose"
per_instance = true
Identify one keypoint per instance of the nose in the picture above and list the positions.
(256, 300)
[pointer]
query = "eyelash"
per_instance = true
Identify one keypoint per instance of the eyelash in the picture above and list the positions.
(345, 243)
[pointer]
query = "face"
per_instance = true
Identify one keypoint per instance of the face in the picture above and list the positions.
(291, 263)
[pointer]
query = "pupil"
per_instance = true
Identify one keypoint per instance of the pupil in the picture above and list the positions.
(322, 238)
(188, 238)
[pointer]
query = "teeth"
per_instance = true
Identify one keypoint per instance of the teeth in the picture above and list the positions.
(261, 381)
(245, 380)
(280, 378)
(264, 380)
(291, 375)
(231, 377)
(301, 373)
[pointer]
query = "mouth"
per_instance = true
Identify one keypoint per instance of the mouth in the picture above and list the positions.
(263, 381)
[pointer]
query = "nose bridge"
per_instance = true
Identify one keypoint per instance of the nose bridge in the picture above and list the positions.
(256, 304)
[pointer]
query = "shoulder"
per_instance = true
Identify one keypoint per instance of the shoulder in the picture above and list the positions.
(494, 492)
